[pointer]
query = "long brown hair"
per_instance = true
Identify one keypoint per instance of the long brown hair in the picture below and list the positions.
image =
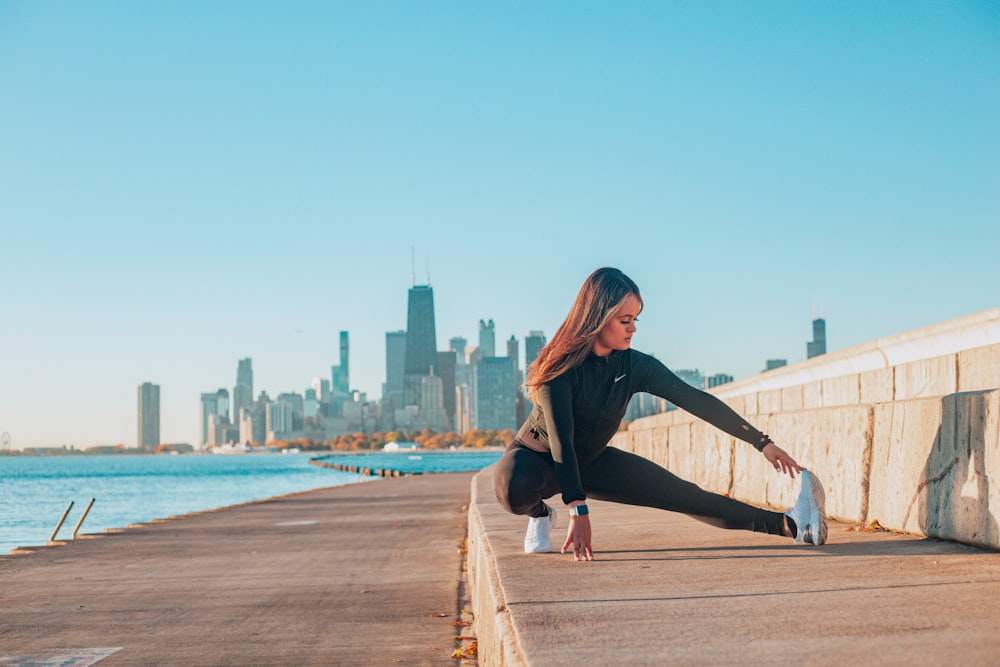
(599, 299)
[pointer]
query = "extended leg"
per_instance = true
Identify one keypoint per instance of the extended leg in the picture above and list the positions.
(623, 477)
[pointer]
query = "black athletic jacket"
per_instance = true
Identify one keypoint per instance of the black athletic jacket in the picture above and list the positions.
(578, 412)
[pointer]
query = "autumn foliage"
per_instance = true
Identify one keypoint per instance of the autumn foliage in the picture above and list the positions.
(427, 439)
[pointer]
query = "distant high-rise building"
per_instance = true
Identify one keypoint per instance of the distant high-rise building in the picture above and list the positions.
(421, 341)
(310, 404)
(817, 345)
(514, 351)
(692, 377)
(495, 393)
(432, 413)
(487, 339)
(209, 410)
(533, 344)
(463, 374)
(395, 366)
(243, 391)
(447, 367)
(717, 379)
(214, 415)
(149, 415)
(463, 408)
(222, 404)
(340, 375)
(775, 363)
(458, 344)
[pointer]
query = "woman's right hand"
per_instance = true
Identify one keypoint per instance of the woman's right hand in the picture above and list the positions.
(578, 534)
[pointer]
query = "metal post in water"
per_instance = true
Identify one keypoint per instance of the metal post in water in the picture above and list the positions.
(80, 522)
(65, 514)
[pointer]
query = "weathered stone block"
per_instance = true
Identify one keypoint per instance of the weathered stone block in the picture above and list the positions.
(935, 469)
(769, 401)
(832, 442)
(877, 386)
(791, 398)
(812, 395)
(708, 458)
(844, 390)
(937, 376)
(979, 369)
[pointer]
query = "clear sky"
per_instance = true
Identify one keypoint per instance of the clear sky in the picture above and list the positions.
(184, 184)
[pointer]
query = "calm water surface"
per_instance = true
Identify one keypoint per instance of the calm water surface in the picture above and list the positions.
(34, 491)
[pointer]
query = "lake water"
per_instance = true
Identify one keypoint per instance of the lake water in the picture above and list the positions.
(35, 491)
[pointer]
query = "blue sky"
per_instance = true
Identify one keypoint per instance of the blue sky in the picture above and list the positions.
(185, 184)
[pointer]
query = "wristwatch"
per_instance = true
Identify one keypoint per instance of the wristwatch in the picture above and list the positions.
(579, 510)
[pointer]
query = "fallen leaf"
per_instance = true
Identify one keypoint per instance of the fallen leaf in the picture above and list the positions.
(438, 615)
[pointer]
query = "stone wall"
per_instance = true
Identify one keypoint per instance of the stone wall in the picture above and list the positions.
(913, 443)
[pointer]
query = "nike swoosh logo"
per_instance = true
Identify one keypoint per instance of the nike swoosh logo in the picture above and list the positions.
(620, 377)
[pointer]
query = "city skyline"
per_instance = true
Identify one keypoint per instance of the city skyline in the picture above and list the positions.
(190, 184)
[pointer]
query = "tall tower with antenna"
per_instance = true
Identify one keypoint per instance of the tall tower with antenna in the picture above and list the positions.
(817, 345)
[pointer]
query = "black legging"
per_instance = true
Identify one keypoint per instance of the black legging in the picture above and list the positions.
(524, 478)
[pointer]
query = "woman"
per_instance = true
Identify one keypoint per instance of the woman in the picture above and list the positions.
(581, 384)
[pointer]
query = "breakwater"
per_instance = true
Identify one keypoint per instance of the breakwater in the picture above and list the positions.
(408, 462)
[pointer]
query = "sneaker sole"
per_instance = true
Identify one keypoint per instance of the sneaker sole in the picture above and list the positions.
(817, 515)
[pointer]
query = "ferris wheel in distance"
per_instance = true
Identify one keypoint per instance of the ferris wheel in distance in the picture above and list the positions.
(5, 441)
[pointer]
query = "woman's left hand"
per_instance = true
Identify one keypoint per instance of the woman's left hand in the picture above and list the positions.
(578, 535)
(780, 459)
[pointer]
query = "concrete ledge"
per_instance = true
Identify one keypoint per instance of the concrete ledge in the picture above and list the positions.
(669, 590)
(497, 639)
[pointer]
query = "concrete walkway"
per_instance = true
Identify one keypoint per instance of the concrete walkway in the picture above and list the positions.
(669, 590)
(367, 574)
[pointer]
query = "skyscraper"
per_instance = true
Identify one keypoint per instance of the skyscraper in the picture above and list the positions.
(395, 366)
(817, 345)
(446, 369)
(340, 375)
(209, 409)
(421, 341)
(533, 344)
(496, 387)
(214, 414)
(487, 339)
(243, 391)
(514, 351)
(149, 415)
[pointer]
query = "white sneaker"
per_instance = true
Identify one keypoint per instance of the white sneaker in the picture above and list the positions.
(536, 539)
(809, 513)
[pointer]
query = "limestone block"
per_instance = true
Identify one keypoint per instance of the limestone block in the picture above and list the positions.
(935, 467)
(877, 386)
(834, 443)
(937, 376)
(979, 368)
(737, 403)
(791, 398)
(751, 406)
(660, 447)
(843, 390)
(750, 470)
(709, 456)
(812, 394)
(679, 452)
(905, 448)
(769, 401)
(642, 443)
